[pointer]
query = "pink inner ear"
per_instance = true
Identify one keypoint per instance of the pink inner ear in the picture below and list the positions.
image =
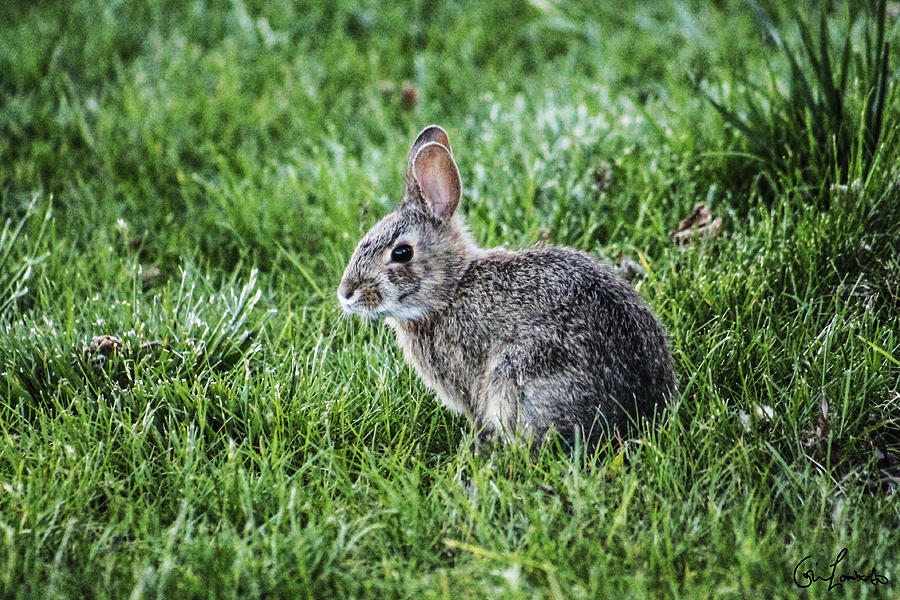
(438, 178)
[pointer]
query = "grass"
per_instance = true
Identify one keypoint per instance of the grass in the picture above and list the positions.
(813, 133)
(191, 178)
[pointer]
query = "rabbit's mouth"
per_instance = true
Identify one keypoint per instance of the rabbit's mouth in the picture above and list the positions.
(363, 312)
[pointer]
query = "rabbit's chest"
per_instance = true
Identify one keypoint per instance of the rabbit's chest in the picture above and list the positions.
(441, 367)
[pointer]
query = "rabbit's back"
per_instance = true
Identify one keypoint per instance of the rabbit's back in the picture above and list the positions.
(573, 340)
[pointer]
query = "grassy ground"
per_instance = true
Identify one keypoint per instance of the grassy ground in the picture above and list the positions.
(191, 178)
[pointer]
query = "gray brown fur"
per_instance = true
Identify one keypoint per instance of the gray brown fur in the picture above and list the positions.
(519, 341)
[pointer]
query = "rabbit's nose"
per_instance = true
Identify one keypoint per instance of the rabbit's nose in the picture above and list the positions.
(347, 295)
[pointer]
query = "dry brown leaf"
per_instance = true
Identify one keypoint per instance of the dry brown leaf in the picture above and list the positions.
(406, 93)
(409, 95)
(104, 344)
(696, 225)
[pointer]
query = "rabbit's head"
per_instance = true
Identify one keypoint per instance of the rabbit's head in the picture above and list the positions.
(409, 263)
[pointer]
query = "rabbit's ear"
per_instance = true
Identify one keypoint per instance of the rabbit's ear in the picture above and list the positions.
(432, 133)
(437, 178)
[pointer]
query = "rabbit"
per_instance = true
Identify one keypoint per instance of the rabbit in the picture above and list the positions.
(521, 342)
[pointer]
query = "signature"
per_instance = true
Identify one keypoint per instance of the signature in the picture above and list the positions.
(805, 577)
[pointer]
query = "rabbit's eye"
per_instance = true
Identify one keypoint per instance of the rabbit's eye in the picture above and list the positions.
(402, 253)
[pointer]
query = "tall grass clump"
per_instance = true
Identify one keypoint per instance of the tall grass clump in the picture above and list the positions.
(820, 117)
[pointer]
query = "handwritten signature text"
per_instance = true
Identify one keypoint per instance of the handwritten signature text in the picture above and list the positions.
(805, 573)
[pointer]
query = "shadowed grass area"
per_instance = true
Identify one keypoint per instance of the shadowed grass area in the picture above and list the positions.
(190, 178)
